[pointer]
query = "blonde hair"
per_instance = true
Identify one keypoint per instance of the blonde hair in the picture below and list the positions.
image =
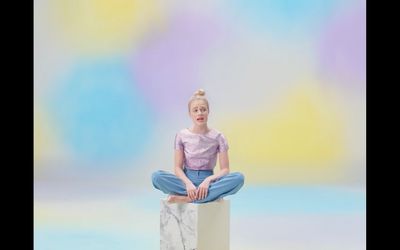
(198, 95)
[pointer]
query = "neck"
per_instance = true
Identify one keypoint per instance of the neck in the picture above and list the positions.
(200, 129)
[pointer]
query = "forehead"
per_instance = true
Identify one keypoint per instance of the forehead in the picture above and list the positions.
(198, 103)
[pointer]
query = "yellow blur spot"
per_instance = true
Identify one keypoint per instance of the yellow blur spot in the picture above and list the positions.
(103, 26)
(45, 143)
(301, 140)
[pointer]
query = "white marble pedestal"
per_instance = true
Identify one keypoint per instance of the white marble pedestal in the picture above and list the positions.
(188, 226)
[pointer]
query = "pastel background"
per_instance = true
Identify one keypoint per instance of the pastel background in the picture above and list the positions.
(286, 81)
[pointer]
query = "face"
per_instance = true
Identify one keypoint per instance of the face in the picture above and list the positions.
(199, 112)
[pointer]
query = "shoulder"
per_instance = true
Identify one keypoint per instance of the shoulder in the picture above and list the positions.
(214, 133)
(183, 132)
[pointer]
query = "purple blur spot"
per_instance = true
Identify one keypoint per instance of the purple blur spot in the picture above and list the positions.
(167, 66)
(343, 50)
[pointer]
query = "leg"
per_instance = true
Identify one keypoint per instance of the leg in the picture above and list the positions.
(168, 183)
(226, 185)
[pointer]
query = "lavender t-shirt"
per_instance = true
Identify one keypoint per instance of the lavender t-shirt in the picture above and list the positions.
(200, 150)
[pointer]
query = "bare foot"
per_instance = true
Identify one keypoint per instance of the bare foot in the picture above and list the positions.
(178, 198)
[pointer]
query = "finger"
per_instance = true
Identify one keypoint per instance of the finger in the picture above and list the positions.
(190, 195)
(193, 195)
(202, 193)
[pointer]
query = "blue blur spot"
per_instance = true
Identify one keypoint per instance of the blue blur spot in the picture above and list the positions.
(297, 199)
(51, 238)
(286, 15)
(100, 114)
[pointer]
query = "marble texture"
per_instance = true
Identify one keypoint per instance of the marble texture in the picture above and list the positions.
(188, 226)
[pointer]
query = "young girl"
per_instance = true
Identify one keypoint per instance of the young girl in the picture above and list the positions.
(196, 151)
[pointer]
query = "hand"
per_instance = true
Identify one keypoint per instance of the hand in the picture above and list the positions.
(191, 191)
(203, 189)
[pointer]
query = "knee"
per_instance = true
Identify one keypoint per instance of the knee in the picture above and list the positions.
(155, 177)
(239, 177)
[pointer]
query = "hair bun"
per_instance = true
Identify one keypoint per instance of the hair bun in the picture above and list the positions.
(200, 92)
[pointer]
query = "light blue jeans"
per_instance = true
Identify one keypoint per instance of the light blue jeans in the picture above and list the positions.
(170, 184)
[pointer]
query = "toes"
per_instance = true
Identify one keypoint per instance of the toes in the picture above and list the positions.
(169, 198)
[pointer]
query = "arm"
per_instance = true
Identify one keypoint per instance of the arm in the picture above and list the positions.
(190, 188)
(179, 167)
(224, 166)
(224, 170)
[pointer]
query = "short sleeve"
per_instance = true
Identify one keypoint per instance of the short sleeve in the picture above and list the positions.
(222, 144)
(178, 142)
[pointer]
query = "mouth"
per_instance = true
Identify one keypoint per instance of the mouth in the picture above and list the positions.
(200, 119)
